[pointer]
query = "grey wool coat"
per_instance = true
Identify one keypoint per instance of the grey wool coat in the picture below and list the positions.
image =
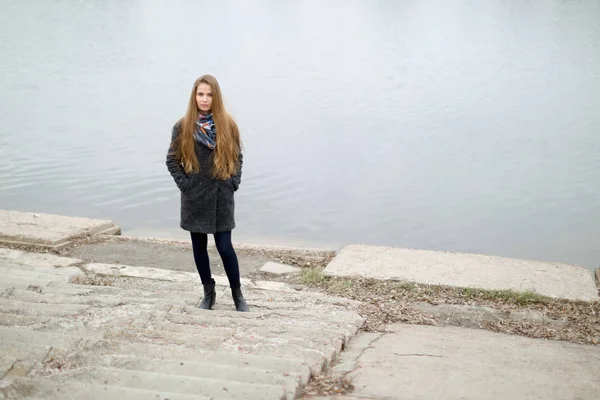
(207, 203)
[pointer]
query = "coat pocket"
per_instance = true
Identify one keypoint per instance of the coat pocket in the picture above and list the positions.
(234, 184)
(228, 184)
(185, 185)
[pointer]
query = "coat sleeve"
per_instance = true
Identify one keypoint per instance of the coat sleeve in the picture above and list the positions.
(175, 169)
(237, 178)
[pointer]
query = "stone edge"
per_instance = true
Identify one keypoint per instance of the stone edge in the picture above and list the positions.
(240, 246)
(119, 270)
(106, 229)
(339, 274)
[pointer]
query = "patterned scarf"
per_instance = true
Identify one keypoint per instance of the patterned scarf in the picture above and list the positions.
(206, 133)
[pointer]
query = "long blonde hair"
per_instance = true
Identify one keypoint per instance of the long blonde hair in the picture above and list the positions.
(226, 153)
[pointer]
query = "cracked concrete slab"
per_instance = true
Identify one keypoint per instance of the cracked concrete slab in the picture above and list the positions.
(427, 362)
(49, 230)
(465, 270)
(279, 268)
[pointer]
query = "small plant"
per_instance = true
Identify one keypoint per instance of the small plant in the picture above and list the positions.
(507, 296)
(341, 285)
(312, 276)
(521, 298)
(406, 286)
(468, 293)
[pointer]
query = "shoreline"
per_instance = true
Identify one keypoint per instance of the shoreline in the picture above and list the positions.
(169, 236)
(63, 235)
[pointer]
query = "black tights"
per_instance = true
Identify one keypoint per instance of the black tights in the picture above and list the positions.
(226, 251)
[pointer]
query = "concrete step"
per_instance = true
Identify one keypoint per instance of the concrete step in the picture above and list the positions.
(35, 259)
(303, 296)
(464, 270)
(32, 389)
(306, 320)
(148, 334)
(190, 323)
(6, 362)
(345, 318)
(96, 321)
(9, 282)
(89, 299)
(27, 270)
(57, 287)
(297, 318)
(156, 295)
(58, 339)
(337, 315)
(347, 323)
(204, 340)
(316, 356)
(208, 338)
(67, 289)
(217, 388)
(264, 304)
(224, 293)
(40, 309)
(323, 340)
(239, 373)
(261, 299)
(313, 346)
(48, 230)
(12, 319)
(104, 347)
(33, 277)
(153, 285)
(23, 350)
(108, 348)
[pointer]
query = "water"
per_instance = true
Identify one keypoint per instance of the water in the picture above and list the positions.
(450, 125)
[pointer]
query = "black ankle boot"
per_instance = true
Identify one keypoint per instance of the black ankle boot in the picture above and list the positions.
(209, 297)
(238, 299)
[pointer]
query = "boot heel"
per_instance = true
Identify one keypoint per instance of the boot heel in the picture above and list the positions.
(238, 299)
(209, 297)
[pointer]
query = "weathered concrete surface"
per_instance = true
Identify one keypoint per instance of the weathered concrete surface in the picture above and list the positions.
(426, 362)
(177, 255)
(48, 230)
(144, 337)
(43, 260)
(278, 268)
(118, 270)
(465, 270)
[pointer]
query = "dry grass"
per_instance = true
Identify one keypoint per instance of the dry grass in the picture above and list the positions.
(93, 280)
(328, 385)
(385, 302)
(312, 276)
(506, 296)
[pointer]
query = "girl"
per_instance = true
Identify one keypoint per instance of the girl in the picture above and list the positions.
(205, 160)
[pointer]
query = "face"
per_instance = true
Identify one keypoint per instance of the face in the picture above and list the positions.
(204, 97)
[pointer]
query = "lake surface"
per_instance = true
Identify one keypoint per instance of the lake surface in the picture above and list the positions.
(449, 125)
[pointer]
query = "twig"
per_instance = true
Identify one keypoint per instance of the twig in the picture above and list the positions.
(417, 355)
